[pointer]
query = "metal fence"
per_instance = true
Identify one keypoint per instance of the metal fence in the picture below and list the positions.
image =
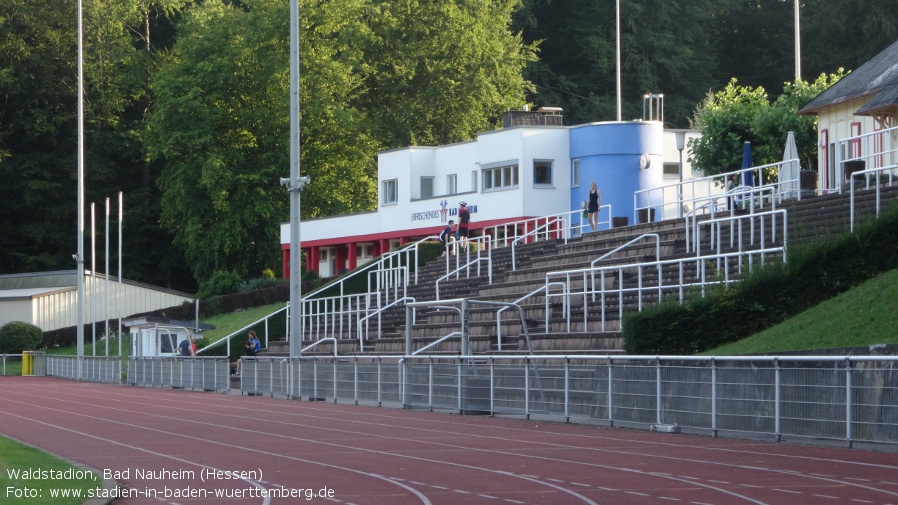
(10, 364)
(202, 373)
(851, 399)
(85, 368)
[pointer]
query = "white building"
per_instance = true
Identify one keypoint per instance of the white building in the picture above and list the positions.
(48, 299)
(857, 108)
(532, 167)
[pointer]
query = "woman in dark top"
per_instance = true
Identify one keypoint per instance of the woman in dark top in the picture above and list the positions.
(592, 208)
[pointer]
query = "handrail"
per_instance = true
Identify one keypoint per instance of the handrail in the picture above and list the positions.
(530, 234)
(359, 323)
(484, 240)
(438, 341)
(869, 171)
(709, 185)
(622, 247)
(883, 155)
(320, 340)
(751, 191)
(565, 232)
(737, 222)
(678, 263)
(517, 303)
(465, 303)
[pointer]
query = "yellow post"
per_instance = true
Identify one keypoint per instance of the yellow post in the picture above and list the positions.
(27, 363)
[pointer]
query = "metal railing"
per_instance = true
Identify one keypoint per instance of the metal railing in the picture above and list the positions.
(482, 254)
(693, 192)
(210, 373)
(751, 199)
(226, 341)
(646, 283)
(339, 316)
(879, 175)
(567, 225)
(874, 150)
(736, 235)
(107, 369)
(551, 224)
(845, 398)
(10, 364)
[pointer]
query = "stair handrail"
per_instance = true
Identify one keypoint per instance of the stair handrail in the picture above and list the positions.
(228, 338)
(484, 242)
(701, 266)
(618, 249)
(320, 340)
(406, 250)
(870, 171)
(377, 312)
(736, 223)
(754, 194)
(546, 287)
(531, 233)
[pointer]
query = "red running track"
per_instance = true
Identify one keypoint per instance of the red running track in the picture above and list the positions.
(166, 446)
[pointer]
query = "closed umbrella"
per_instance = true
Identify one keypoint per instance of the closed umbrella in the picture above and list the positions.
(788, 173)
(748, 176)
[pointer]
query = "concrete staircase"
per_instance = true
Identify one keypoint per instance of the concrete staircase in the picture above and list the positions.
(808, 220)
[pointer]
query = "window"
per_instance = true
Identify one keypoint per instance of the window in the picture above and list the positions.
(474, 180)
(390, 192)
(426, 187)
(451, 185)
(500, 177)
(575, 173)
(671, 169)
(542, 173)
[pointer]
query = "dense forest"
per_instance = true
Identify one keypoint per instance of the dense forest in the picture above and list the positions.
(186, 102)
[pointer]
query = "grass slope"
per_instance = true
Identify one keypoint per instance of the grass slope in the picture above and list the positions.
(860, 317)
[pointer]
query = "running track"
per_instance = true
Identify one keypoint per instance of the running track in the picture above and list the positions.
(381, 456)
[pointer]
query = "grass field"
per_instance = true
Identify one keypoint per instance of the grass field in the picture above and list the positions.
(861, 317)
(20, 464)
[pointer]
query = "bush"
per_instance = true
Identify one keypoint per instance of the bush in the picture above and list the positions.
(221, 283)
(17, 336)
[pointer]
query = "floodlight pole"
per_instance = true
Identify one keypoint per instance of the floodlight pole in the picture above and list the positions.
(294, 186)
(79, 257)
(617, 57)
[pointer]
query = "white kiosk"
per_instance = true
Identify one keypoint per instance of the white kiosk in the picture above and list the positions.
(159, 336)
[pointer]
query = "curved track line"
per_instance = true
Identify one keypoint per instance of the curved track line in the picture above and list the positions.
(420, 495)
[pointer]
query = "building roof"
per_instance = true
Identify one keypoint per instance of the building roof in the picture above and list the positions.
(876, 79)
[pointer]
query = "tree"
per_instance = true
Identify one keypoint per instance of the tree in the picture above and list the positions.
(220, 126)
(738, 114)
(443, 71)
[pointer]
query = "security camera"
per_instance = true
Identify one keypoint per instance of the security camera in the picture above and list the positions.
(285, 182)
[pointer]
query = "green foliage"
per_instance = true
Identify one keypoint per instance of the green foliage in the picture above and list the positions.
(18, 336)
(738, 114)
(768, 296)
(259, 283)
(442, 72)
(222, 282)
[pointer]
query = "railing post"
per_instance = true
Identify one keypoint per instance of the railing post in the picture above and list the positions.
(610, 395)
(777, 400)
(714, 397)
(848, 403)
(527, 387)
(567, 389)
(658, 390)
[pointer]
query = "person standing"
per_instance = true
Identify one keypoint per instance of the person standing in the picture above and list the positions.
(593, 205)
(447, 238)
(464, 218)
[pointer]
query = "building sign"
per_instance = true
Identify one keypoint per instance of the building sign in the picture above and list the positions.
(442, 214)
